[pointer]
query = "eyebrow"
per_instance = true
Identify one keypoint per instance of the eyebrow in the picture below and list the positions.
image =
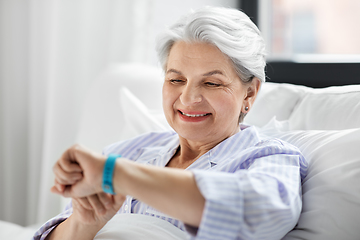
(171, 70)
(213, 73)
(205, 75)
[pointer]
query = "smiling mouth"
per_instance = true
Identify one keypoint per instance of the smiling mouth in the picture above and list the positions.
(194, 115)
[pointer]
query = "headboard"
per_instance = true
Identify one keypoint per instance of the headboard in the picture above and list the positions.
(316, 75)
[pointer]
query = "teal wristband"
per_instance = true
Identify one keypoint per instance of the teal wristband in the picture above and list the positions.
(107, 181)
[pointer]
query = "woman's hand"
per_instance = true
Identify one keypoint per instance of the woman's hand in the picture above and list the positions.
(78, 173)
(96, 210)
(90, 214)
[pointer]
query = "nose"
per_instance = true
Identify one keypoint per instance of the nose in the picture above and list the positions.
(191, 95)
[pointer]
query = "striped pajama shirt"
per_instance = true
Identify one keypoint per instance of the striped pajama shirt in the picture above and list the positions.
(252, 185)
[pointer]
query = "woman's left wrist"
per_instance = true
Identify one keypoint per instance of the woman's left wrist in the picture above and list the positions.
(107, 182)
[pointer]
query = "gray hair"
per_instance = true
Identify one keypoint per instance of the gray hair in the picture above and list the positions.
(230, 30)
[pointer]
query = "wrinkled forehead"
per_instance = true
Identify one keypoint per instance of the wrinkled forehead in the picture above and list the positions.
(201, 58)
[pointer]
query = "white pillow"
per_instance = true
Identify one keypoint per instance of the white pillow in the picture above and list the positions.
(274, 99)
(138, 118)
(328, 109)
(102, 121)
(331, 190)
(139, 227)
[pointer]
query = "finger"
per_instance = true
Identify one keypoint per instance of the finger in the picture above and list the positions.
(60, 187)
(55, 190)
(61, 190)
(84, 202)
(96, 204)
(69, 191)
(91, 164)
(106, 200)
(64, 177)
(77, 205)
(69, 164)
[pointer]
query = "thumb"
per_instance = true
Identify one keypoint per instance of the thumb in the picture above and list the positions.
(55, 189)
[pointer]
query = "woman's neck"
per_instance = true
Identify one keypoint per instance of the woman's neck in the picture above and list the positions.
(188, 152)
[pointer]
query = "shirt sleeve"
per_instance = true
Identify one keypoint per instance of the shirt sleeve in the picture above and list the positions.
(47, 227)
(260, 202)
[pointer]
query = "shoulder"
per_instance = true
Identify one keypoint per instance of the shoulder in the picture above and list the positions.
(268, 145)
(273, 151)
(271, 146)
(248, 147)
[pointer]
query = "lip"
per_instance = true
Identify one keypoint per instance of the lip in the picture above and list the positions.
(193, 116)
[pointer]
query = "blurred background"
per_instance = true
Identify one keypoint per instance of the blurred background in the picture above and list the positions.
(51, 51)
(326, 27)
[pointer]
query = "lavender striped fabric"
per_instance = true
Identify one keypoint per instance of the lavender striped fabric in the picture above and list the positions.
(252, 186)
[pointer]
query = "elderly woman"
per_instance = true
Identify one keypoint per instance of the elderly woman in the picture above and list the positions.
(213, 177)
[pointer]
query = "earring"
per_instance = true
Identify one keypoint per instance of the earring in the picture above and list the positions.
(246, 108)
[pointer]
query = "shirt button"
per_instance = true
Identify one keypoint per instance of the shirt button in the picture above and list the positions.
(126, 207)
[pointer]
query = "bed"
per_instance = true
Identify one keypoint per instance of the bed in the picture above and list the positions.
(324, 123)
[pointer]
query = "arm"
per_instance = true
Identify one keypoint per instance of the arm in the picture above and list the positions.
(90, 214)
(72, 229)
(81, 219)
(261, 202)
(171, 191)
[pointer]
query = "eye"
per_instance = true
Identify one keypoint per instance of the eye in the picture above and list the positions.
(212, 84)
(176, 81)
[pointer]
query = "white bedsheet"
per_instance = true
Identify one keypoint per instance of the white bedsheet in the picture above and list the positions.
(11, 231)
(120, 227)
(139, 227)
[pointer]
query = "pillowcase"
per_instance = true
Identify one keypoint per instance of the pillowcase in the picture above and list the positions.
(333, 108)
(331, 189)
(138, 118)
(103, 118)
(119, 115)
(274, 99)
(139, 227)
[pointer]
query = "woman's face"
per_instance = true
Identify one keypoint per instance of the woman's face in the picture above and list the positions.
(202, 94)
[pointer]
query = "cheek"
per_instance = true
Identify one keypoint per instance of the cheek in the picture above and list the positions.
(226, 104)
(168, 97)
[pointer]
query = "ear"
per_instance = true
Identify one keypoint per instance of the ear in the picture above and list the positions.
(252, 90)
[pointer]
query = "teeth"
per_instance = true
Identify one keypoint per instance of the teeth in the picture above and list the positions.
(194, 115)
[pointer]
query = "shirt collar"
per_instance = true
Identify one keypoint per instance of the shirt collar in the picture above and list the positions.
(246, 137)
